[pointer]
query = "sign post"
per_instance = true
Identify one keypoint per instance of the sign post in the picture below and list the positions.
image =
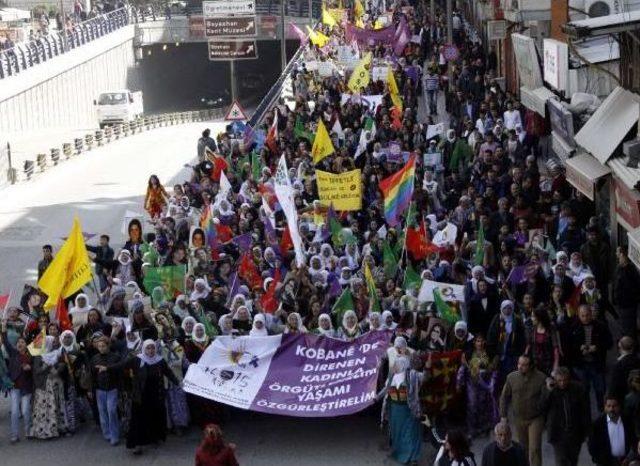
(223, 50)
(230, 26)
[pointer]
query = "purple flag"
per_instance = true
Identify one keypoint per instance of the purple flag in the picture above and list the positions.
(334, 285)
(235, 286)
(402, 37)
(522, 273)
(301, 375)
(249, 137)
(368, 36)
(243, 242)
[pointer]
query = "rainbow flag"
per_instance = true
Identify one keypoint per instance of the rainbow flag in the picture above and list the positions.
(397, 190)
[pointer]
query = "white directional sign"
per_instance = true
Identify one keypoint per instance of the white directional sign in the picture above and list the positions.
(228, 7)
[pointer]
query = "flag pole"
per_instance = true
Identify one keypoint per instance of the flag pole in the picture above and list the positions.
(404, 254)
(4, 311)
(97, 292)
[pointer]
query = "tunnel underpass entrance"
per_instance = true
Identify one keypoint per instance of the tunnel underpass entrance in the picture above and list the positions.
(180, 76)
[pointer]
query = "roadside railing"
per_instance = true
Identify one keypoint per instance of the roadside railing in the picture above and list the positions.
(101, 137)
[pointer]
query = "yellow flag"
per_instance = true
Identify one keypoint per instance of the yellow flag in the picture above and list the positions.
(317, 38)
(327, 18)
(38, 346)
(322, 145)
(393, 89)
(358, 9)
(359, 23)
(360, 76)
(70, 269)
(377, 24)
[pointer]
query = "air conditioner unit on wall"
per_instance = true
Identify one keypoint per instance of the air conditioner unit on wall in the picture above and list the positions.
(596, 8)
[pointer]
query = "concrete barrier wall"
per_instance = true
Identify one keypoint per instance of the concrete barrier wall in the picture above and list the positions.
(60, 92)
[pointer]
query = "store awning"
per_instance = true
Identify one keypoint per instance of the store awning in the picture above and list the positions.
(583, 171)
(629, 176)
(536, 99)
(609, 124)
(634, 246)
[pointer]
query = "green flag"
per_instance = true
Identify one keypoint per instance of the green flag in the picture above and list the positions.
(371, 286)
(445, 311)
(412, 215)
(170, 278)
(389, 261)
(397, 248)
(342, 305)
(301, 133)
(256, 165)
(411, 278)
(478, 258)
(208, 328)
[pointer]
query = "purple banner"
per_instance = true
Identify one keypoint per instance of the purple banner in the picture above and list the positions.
(369, 36)
(302, 375)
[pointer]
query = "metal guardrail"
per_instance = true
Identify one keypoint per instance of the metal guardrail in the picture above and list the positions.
(78, 146)
(25, 55)
(276, 90)
(299, 8)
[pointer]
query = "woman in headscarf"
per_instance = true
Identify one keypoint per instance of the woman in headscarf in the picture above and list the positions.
(387, 321)
(149, 414)
(349, 330)
(325, 327)
(79, 312)
(461, 339)
(94, 324)
(242, 321)
(141, 323)
(259, 328)
(74, 377)
(187, 328)
(181, 307)
(201, 290)
(47, 420)
(401, 408)
(214, 451)
(294, 324)
(124, 270)
(115, 305)
(506, 339)
(177, 408)
(373, 322)
(226, 325)
(477, 377)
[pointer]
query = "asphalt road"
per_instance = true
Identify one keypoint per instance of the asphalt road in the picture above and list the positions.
(100, 187)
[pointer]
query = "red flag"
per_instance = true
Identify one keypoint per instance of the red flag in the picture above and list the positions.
(286, 243)
(62, 315)
(573, 303)
(4, 300)
(219, 165)
(225, 234)
(272, 134)
(249, 272)
(268, 300)
(396, 115)
(418, 243)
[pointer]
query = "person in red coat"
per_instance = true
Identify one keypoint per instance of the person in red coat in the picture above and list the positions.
(214, 451)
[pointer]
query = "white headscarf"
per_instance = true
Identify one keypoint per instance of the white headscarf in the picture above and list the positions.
(195, 294)
(323, 331)
(72, 346)
(383, 321)
(51, 356)
(203, 338)
(184, 325)
(144, 359)
(400, 367)
(259, 332)
(508, 319)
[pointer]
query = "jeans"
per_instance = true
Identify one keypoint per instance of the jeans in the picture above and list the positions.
(591, 377)
(432, 100)
(529, 434)
(20, 403)
(566, 452)
(108, 409)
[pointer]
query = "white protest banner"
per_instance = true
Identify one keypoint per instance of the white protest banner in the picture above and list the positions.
(325, 68)
(347, 56)
(379, 73)
(435, 130)
(311, 65)
(448, 291)
(432, 159)
(446, 236)
(284, 192)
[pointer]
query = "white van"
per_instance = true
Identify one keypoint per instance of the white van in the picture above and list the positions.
(121, 106)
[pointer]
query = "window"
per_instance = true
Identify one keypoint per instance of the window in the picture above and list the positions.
(115, 98)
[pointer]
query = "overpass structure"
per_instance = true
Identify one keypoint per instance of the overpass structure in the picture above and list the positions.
(51, 83)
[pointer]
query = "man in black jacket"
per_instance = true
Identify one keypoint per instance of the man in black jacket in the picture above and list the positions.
(626, 292)
(568, 417)
(503, 451)
(103, 259)
(612, 437)
(627, 361)
(589, 340)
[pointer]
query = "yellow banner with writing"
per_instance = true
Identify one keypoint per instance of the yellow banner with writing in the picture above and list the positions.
(344, 191)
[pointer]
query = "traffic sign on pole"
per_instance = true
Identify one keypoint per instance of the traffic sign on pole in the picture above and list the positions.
(223, 50)
(235, 112)
(228, 7)
(229, 26)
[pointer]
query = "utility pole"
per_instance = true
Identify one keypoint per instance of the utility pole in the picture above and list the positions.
(283, 37)
(432, 10)
(234, 84)
(450, 36)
